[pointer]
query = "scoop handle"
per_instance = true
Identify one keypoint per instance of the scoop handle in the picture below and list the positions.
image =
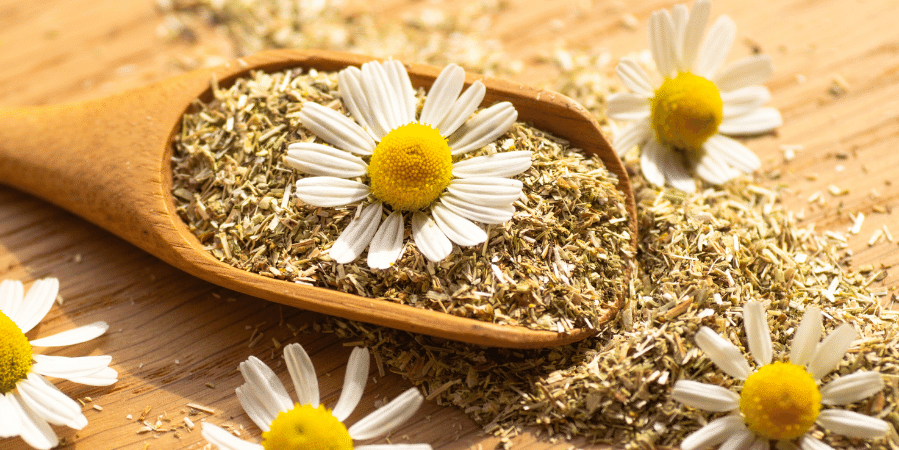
(101, 159)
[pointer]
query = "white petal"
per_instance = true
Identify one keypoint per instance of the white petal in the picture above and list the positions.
(224, 440)
(353, 383)
(302, 373)
(679, 14)
(350, 244)
(34, 430)
(393, 447)
(715, 48)
(810, 443)
(649, 162)
(761, 120)
(442, 95)
(852, 424)
(330, 191)
(461, 110)
(68, 368)
(739, 440)
(716, 432)
(635, 133)
(11, 422)
(256, 408)
(662, 42)
(635, 78)
(732, 153)
(660, 164)
(497, 165)
(458, 229)
(757, 333)
(705, 396)
(476, 212)
(323, 160)
(682, 181)
(486, 191)
(380, 95)
(390, 416)
(36, 304)
(11, 295)
(831, 351)
(264, 384)
(713, 169)
(104, 377)
(336, 129)
(627, 106)
(805, 339)
(484, 128)
(724, 354)
(387, 244)
(350, 86)
(676, 174)
(692, 37)
(403, 94)
(49, 403)
(744, 100)
(73, 336)
(744, 72)
(851, 388)
(431, 242)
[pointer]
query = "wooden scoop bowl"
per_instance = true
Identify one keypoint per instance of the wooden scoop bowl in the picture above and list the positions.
(109, 161)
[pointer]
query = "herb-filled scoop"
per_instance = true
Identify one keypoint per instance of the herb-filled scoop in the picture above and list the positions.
(110, 161)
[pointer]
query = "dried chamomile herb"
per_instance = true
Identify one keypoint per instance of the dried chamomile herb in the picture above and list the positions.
(559, 263)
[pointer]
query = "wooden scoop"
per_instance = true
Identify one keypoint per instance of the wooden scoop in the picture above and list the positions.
(109, 161)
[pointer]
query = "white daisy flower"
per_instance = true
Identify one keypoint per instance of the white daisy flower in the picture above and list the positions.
(307, 424)
(413, 165)
(780, 401)
(29, 403)
(683, 118)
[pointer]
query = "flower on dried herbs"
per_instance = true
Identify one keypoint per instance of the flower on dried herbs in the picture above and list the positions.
(414, 165)
(29, 404)
(683, 119)
(307, 424)
(780, 401)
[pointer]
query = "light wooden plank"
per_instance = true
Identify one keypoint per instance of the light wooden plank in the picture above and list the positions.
(63, 50)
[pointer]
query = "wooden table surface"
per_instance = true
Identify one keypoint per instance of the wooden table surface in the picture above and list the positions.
(177, 340)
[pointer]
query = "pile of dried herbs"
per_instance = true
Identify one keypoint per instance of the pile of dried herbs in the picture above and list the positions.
(700, 257)
(430, 36)
(558, 264)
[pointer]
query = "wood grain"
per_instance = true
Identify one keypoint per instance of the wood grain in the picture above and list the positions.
(172, 333)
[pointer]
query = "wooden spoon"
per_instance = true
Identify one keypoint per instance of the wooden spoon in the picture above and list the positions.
(109, 161)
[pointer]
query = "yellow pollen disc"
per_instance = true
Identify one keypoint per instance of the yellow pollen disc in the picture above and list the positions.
(307, 428)
(686, 111)
(15, 354)
(781, 401)
(410, 167)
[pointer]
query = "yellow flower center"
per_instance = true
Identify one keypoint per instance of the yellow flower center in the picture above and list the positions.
(781, 401)
(15, 354)
(686, 111)
(410, 167)
(307, 428)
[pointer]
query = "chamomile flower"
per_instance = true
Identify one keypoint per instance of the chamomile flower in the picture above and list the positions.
(780, 400)
(413, 165)
(682, 120)
(307, 424)
(29, 404)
